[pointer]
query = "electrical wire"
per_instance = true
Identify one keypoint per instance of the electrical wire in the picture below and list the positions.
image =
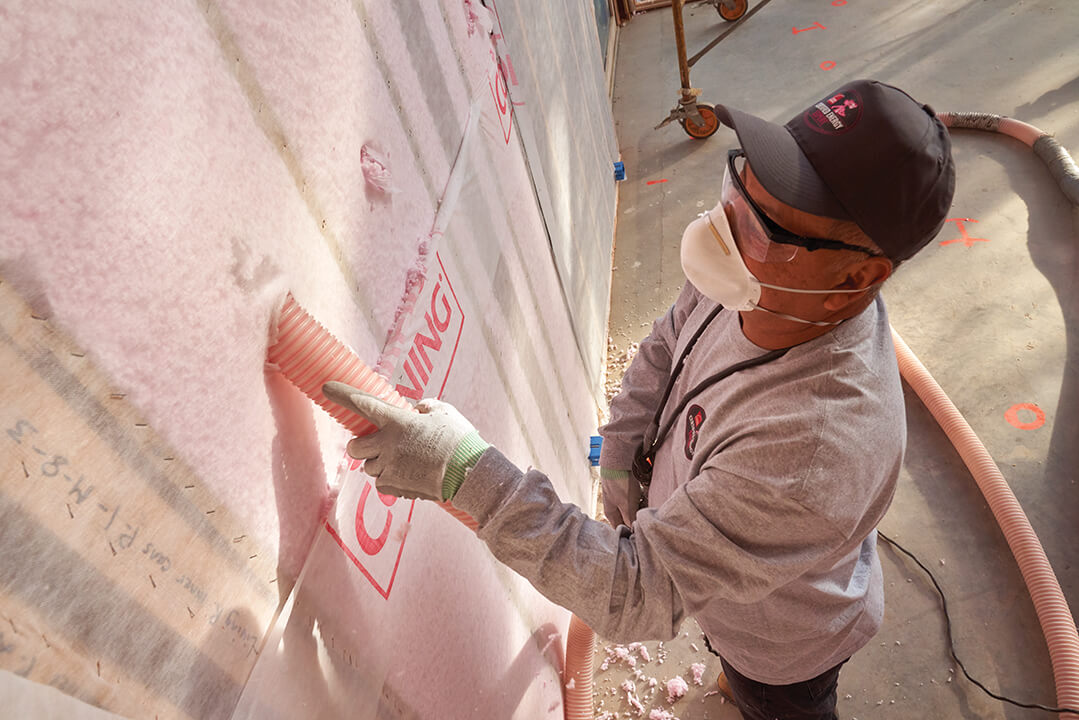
(951, 638)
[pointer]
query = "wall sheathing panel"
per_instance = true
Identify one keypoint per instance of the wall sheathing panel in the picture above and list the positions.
(167, 174)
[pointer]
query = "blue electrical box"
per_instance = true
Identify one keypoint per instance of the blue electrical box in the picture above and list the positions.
(593, 449)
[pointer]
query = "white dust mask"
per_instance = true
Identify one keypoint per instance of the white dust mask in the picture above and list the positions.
(711, 261)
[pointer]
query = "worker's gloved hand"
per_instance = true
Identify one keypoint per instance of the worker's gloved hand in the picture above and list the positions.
(413, 454)
(621, 496)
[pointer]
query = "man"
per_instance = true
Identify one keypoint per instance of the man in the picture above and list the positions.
(764, 415)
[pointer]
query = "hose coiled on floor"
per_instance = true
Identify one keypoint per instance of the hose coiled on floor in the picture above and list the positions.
(1049, 601)
(1061, 165)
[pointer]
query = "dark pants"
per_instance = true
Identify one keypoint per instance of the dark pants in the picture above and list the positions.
(808, 700)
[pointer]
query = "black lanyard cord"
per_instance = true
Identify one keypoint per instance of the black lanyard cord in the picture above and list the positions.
(711, 380)
(649, 433)
(642, 463)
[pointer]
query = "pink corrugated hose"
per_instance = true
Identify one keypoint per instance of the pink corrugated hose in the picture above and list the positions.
(309, 356)
(1055, 156)
(1049, 601)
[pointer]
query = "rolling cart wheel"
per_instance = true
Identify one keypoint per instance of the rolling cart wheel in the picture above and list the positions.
(711, 123)
(731, 10)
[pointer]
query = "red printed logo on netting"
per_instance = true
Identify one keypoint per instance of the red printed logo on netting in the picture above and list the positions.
(371, 527)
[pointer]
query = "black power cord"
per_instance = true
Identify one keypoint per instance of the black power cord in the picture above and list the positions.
(951, 639)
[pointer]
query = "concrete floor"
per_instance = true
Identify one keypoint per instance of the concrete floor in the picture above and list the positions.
(996, 320)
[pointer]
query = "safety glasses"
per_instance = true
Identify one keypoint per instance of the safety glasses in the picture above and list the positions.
(757, 235)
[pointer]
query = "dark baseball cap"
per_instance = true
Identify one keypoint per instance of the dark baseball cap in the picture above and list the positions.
(867, 152)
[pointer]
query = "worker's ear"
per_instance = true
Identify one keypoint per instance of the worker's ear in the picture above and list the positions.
(862, 274)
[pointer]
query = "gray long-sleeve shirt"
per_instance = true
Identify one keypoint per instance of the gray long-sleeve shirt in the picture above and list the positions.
(763, 504)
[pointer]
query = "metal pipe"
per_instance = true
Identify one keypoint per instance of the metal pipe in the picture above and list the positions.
(680, 42)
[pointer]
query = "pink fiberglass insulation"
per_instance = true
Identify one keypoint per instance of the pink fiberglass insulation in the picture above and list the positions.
(395, 336)
(378, 184)
(128, 195)
(169, 173)
(479, 17)
(676, 688)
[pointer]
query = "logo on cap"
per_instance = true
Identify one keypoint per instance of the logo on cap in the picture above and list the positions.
(835, 115)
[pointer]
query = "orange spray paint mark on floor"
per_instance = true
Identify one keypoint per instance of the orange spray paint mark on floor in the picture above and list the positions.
(1012, 416)
(964, 236)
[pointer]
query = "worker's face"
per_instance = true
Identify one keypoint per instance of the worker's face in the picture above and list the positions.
(802, 268)
(760, 237)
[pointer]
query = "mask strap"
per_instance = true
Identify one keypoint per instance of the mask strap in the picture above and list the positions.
(715, 232)
(817, 292)
(785, 316)
(818, 323)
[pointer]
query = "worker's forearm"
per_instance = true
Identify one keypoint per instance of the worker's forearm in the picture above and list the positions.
(586, 566)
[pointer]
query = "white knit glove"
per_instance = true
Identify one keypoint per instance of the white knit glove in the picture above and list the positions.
(422, 454)
(621, 496)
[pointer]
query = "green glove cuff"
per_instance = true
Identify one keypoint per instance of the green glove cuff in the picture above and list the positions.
(466, 455)
(611, 474)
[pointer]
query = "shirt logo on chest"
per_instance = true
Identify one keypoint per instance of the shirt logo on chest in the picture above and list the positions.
(694, 419)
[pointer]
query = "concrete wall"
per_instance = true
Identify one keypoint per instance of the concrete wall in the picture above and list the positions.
(167, 174)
